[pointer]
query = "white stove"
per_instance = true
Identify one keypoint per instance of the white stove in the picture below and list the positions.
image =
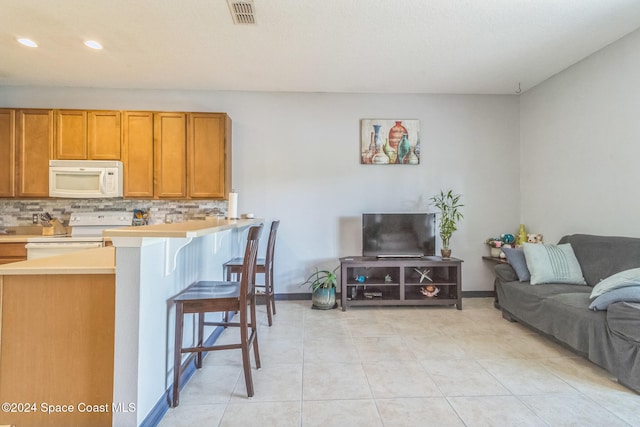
(86, 233)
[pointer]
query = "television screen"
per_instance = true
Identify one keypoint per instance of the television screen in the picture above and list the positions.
(398, 234)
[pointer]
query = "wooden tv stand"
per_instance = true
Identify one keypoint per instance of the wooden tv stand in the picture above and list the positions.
(396, 281)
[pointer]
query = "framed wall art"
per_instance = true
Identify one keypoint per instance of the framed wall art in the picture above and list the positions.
(389, 142)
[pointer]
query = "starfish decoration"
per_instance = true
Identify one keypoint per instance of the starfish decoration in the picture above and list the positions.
(424, 274)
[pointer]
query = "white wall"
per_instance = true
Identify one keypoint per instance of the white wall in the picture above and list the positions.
(296, 158)
(580, 141)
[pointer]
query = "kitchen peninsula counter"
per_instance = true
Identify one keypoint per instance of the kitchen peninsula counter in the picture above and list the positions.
(192, 228)
(90, 261)
(57, 317)
(154, 263)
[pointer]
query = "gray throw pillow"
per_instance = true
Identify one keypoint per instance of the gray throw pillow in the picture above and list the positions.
(516, 259)
(553, 264)
(628, 294)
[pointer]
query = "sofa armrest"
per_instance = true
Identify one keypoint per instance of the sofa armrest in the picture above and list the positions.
(505, 273)
(623, 318)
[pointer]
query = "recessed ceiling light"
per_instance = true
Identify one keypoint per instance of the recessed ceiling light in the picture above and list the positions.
(93, 44)
(28, 42)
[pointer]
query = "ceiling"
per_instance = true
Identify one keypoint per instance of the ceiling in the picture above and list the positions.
(362, 46)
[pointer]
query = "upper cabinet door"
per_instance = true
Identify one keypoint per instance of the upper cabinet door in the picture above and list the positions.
(208, 153)
(71, 135)
(82, 135)
(34, 131)
(104, 135)
(170, 143)
(137, 154)
(7, 152)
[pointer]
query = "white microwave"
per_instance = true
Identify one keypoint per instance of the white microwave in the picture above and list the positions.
(87, 179)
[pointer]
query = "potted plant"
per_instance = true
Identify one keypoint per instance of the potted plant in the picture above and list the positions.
(323, 285)
(449, 205)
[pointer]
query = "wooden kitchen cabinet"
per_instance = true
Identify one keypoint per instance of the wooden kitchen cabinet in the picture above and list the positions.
(7, 152)
(209, 155)
(170, 155)
(71, 135)
(137, 154)
(56, 348)
(12, 252)
(165, 155)
(104, 135)
(34, 140)
(176, 155)
(92, 135)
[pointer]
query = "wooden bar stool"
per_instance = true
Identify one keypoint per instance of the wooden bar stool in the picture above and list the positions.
(263, 265)
(221, 296)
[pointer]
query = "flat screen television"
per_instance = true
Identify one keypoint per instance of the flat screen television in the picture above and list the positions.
(397, 235)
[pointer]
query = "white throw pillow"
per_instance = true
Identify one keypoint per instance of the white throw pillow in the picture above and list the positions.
(616, 281)
(553, 264)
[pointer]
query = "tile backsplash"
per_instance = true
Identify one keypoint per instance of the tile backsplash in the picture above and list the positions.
(19, 212)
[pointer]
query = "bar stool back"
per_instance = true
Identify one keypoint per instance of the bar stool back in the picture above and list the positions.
(221, 296)
(265, 266)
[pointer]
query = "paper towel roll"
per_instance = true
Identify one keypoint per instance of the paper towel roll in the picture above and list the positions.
(232, 210)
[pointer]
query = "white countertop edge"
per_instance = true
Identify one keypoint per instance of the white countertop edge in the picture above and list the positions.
(193, 228)
(87, 261)
(135, 242)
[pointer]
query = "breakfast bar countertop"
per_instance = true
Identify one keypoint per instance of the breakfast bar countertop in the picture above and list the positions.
(192, 228)
(89, 261)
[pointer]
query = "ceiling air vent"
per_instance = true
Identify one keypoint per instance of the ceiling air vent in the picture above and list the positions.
(242, 12)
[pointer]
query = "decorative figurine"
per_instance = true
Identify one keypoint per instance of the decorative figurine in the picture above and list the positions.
(424, 274)
(360, 279)
(508, 239)
(430, 291)
(534, 238)
(522, 236)
(387, 278)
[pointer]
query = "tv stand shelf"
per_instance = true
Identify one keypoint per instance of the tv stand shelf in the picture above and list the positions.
(398, 281)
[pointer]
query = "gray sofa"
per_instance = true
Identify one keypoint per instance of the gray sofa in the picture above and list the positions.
(610, 338)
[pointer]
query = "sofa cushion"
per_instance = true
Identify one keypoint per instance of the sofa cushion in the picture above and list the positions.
(553, 264)
(572, 323)
(628, 294)
(516, 258)
(549, 290)
(623, 319)
(524, 301)
(603, 256)
(619, 280)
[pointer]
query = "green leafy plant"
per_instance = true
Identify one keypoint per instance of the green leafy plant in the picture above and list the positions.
(449, 205)
(322, 279)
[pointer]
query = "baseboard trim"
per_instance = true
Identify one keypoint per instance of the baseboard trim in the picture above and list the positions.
(293, 297)
(478, 294)
(163, 404)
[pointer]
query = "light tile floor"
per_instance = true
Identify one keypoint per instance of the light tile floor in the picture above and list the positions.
(417, 366)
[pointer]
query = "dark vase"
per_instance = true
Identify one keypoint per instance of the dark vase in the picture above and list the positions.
(324, 298)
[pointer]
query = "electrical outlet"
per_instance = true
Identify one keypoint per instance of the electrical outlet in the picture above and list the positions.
(34, 218)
